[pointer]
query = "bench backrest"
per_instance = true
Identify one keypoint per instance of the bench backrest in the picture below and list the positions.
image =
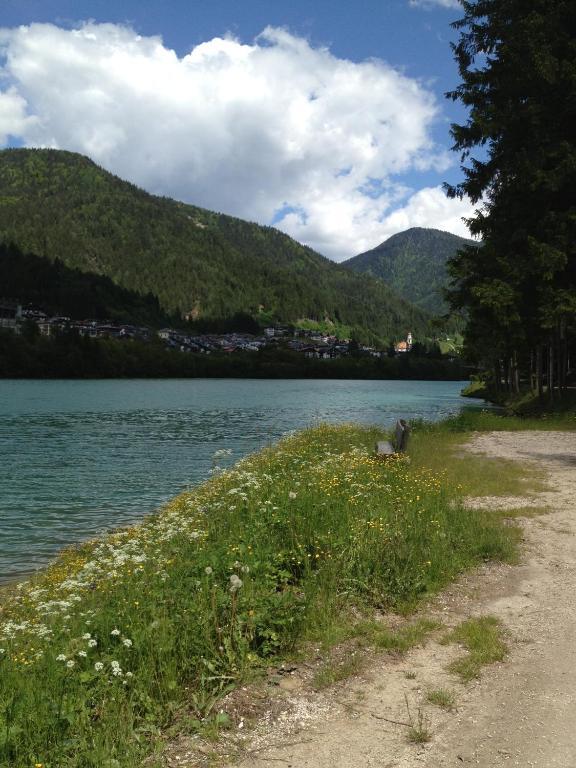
(402, 432)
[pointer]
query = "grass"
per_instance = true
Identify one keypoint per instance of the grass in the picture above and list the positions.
(377, 635)
(335, 671)
(511, 513)
(528, 406)
(101, 652)
(374, 635)
(418, 731)
(442, 698)
(494, 420)
(483, 637)
(439, 447)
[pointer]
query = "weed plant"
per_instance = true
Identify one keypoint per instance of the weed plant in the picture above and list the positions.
(104, 651)
(483, 638)
(442, 698)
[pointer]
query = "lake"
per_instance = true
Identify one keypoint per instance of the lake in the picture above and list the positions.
(78, 458)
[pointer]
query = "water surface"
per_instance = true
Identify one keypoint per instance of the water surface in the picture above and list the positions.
(80, 457)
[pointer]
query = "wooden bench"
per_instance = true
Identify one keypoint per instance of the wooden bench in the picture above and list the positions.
(401, 434)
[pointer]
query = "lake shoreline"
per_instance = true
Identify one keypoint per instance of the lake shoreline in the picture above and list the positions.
(233, 574)
(105, 453)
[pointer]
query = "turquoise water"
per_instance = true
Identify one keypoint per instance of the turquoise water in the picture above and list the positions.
(80, 457)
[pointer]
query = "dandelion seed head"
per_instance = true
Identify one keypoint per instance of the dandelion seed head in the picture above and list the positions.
(235, 583)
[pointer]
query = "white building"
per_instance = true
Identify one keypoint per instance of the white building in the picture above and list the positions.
(10, 315)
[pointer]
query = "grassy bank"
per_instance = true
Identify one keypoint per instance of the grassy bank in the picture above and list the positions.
(106, 650)
(526, 404)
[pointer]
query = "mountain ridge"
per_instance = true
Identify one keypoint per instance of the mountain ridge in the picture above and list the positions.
(61, 205)
(413, 264)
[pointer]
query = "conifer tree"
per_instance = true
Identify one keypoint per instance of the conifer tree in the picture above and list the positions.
(517, 63)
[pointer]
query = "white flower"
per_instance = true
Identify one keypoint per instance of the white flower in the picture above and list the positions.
(61, 657)
(292, 495)
(92, 643)
(70, 664)
(116, 671)
(127, 642)
(83, 654)
(235, 583)
(208, 571)
(115, 632)
(98, 666)
(129, 674)
(86, 636)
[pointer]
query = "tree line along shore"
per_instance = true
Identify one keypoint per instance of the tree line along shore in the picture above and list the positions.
(74, 356)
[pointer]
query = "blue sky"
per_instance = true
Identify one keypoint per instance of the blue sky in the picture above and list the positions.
(211, 141)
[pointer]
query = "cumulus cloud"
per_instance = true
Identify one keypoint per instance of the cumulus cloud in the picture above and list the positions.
(272, 131)
(13, 118)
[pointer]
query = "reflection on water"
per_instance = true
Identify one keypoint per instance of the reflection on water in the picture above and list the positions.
(81, 457)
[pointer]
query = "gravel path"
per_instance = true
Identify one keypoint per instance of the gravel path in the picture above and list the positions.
(521, 713)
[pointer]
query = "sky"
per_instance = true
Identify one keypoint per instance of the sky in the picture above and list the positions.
(324, 118)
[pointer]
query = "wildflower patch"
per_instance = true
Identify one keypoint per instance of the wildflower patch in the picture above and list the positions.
(100, 652)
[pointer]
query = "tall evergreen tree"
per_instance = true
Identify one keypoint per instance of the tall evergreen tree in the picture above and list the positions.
(517, 63)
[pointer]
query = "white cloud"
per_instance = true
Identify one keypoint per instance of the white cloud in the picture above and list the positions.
(429, 207)
(261, 130)
(432, 3)
(360, 228)
(13, 118)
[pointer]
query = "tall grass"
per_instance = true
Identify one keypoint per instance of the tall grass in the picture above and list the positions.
(493, 420)
(101, 652)
(439, 447)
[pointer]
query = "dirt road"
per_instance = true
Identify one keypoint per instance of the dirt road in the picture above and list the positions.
(521, 713)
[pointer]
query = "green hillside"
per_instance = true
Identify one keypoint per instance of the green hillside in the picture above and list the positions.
(413, 263)
(60, 290)
(60, 205)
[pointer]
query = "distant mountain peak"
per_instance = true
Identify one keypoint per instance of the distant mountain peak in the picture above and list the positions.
(413, 264)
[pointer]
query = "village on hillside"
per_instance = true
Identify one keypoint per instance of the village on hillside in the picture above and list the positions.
(310, 343)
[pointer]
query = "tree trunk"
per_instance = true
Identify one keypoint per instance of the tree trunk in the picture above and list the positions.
(515, 373)
(562, 358)
(551, 371)
(498, 375)
(539, 371)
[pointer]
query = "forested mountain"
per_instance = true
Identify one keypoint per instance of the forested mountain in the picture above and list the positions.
(61, 290)
(60, 205)
(413, 264)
